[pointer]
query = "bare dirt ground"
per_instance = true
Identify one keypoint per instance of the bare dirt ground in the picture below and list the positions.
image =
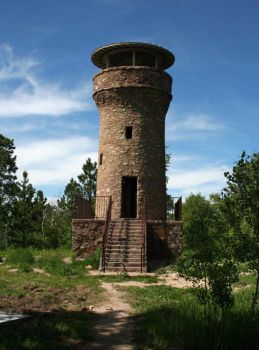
(46, 299)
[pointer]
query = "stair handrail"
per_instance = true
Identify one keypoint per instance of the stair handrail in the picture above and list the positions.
(144, 235)
(105, 232)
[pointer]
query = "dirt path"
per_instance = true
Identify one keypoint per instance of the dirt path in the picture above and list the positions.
(114, 325)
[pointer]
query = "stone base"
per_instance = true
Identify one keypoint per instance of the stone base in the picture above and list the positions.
(87, 236)
(163, 242)
(163, 239)
(174, 235)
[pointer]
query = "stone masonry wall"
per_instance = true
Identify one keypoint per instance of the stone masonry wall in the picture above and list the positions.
(174, 234)
(137, 97)
(163, 242)
(87, 236)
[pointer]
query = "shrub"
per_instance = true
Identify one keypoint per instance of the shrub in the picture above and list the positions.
(52, 262)
(20, 257)
(94, 259)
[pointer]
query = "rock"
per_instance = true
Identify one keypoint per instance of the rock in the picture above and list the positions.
(67, 260)
(89, 267)
(40, 271)
(13, 270)
(90, 307)
(109, 308)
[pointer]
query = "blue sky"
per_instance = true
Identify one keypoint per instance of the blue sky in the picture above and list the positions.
(46, 83)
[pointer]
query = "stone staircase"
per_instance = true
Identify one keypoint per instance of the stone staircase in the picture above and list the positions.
(123, 247)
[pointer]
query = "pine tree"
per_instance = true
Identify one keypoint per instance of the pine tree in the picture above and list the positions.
(87, 180)
(8, 186)
(28, 214)
(68, 200)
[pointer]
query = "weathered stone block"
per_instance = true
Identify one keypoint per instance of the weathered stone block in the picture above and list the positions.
(87, 236)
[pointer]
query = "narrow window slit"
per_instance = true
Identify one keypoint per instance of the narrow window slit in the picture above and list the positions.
(128, 132)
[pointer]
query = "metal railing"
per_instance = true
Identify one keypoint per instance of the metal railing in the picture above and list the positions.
(83, 209)
(144, 238)
(96, 208)
(156, 211)
(105, 232)
(174, 208)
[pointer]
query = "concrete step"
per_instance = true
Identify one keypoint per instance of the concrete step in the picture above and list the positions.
(127, 269)
(124, 254)
(128, 244)
(129, 251)
(123, 263)
(124, 244)
(128, 261)
(125, 233)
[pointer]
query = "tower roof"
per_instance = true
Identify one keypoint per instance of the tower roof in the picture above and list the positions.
(165, 58)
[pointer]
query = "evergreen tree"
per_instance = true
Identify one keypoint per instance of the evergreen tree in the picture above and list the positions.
(87, 180)
(28, 214)
(85, 188)
(68, 201)
(8, 186)
(56, 227)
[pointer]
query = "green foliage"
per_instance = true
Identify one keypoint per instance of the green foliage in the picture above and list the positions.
(27, 213)
(206, 258)
(68, 200)
(19, 257)
(94, 259)
(241, 207)
(85, 188)
(87, 180)
(53, 263)
(171, 318)
(7, 186)
(56, 227)
(51, 331)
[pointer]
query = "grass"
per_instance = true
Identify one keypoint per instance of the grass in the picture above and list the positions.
(50, 261)
(59, 299)
(167, 318)
(123, 277)
(61, 330)
(94, 259)
(171, 318)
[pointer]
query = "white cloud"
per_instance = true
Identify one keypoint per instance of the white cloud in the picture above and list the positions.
(206, 180)
(51, 162)
(30, 96)
(194, 126)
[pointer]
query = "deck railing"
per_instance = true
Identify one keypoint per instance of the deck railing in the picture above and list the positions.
(144, 238)
(174, 208)
(106, 231)
(96, 208)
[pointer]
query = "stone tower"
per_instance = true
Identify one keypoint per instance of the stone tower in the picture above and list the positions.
(133, 93)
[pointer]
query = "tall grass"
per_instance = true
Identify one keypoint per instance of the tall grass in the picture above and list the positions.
(59, 331)
(51, 261)
(94, 259)
(170, 318)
